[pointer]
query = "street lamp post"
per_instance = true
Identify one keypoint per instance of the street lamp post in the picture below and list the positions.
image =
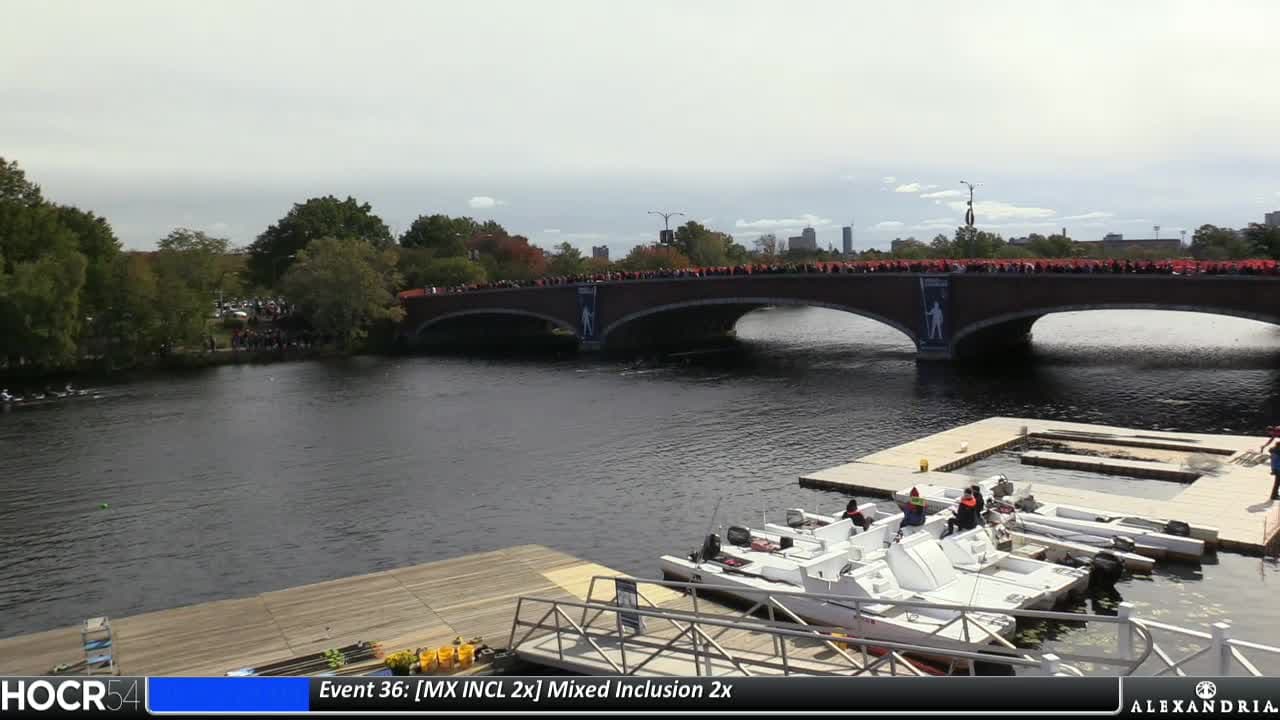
(1157, 229)
(968, 214)
(666, 221)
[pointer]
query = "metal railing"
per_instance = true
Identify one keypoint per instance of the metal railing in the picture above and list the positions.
(855, 649)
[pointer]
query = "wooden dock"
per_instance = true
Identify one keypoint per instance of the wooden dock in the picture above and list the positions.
(1234, 497)
(418, 606)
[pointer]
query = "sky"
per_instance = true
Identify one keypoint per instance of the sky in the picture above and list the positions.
(570, 120)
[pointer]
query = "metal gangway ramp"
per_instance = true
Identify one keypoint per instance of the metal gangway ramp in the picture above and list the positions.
(634, 626)
(672, 629)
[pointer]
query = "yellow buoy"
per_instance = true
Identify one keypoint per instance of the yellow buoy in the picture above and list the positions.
(445, 658)
(924, 464)
(466, 655)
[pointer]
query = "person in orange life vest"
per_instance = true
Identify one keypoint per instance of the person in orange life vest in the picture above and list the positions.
(859, 520)
(913, 513)
(977, 496)
(966, 514)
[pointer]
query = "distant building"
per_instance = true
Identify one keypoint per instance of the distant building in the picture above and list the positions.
(1116, 244)
(600, 252)
(1020, 241)
(846, 236)
(1272, 219)
(806, 240)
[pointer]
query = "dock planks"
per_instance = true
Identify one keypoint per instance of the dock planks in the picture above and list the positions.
(1234, 498)
(417, 606)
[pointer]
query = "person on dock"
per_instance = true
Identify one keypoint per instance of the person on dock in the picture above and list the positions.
(966, 517)
(913, 513)
(977, 496)
(852, 512)
(1275, 472)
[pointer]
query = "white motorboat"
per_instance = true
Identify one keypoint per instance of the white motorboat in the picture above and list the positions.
(1150, 536)
(801, 523)
(827, 589)
(922, 566)
(972, 551)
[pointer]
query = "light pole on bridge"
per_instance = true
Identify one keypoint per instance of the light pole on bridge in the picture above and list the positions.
(968, 213)
(666, 237)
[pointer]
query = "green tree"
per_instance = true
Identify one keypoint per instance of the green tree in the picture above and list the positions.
(767, 246)
(654, 257)
(1210, 242)
(1013, 252)
(973, 243)
(271, 254)
(1263, 240)
(421, 268)
(566, 260)
(100, 247)
(14, 186)
(1053, 246)
(941, 247)
(705, 247)
(910, 249)
(129, 327)
(446, 236)
(345, 286)
(41, 279)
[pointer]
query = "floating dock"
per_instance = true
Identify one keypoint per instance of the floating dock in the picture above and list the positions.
(1233, 496)
(418, 606)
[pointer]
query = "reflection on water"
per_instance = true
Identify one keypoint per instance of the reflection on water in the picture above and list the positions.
(236, 480)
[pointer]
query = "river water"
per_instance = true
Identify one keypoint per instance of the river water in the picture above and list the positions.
(236, 480)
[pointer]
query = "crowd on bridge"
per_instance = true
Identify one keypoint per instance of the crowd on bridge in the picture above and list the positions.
(1018, 266)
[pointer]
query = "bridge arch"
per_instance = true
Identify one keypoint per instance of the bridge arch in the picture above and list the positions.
(495, 311)
(734, 308)
(1015, 327)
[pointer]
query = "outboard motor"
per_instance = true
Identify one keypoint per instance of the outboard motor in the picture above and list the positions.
(1003, 487)
(1027, 504)
(785, 542)
(795, 518)
(1106, 570)
(738, 536)
(1177, 527)
(1124, 543)
(710, 548)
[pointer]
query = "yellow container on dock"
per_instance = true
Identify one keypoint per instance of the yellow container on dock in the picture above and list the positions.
(842, 646)
(445, 658)
(924, 464)
(466, 655)
(427, 661)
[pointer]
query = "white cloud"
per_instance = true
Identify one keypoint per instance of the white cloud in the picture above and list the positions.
(996, 210)
(888, 225)
(1095, 215)
(908, 188)
(935, 221)
(551, 231)
(585, 236)
(945, 194)
(852, 178)
(484, 202)
(889, 180)
(767, 224)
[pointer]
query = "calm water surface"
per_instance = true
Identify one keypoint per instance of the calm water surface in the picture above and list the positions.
(238, 480)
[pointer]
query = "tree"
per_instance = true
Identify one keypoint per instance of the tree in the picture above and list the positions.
(420, 268)
(1013, 252)
(910, 249)
(100, 247)
(442, 234)
(344, 286)
(941, 247)
(567, 260)
(1263, 240)
(1054, 246)
(277, 247)
(14, 186)
(1210, 242)
(705, 247)
(974, 243)
(41, 278)
(654, 257)
(767, 245)
(129, 326)
(507, 257)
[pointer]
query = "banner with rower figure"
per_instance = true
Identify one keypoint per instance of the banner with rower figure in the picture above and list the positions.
(935, 296)
(587, 325)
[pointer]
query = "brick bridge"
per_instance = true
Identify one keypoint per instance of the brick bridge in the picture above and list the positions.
(944, 315)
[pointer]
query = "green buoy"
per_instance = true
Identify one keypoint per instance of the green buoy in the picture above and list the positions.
(103, 506)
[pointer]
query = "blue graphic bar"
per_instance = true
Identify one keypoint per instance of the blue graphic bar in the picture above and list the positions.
(228, 694)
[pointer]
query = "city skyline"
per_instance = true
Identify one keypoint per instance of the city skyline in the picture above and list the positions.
(572, 131)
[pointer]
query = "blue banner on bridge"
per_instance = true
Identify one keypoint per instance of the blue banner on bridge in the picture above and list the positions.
(935, 297)
(587, 312)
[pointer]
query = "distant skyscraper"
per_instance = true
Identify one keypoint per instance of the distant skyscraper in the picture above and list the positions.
(1272, 219)
(600, 252)
(806, 240)
(846, 235)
